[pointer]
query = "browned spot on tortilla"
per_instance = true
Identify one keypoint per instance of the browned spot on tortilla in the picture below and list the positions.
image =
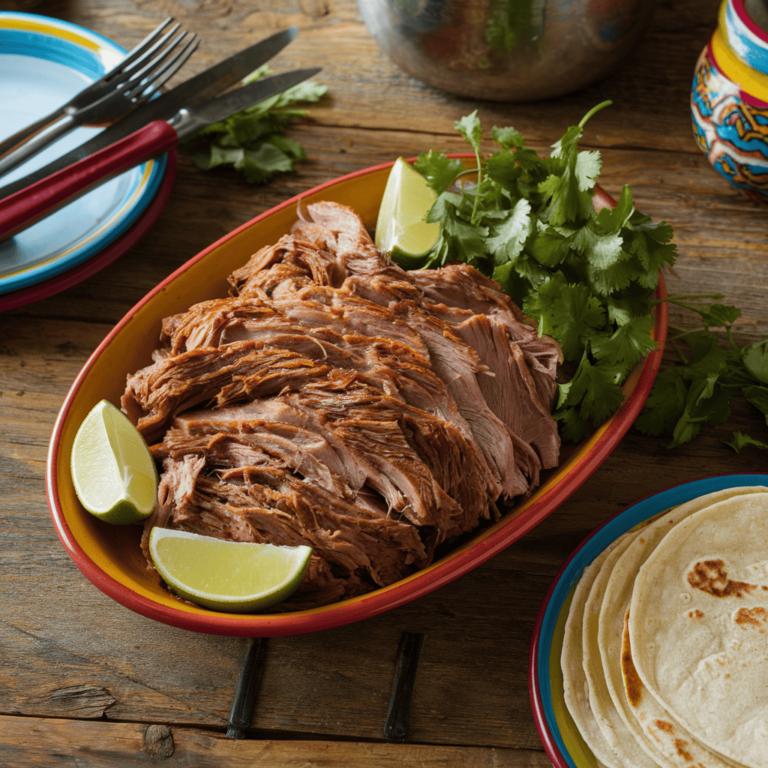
(680, 745)
(710, 576)
(663, 725)
(697, 614)
(751, 616)
(632, 684)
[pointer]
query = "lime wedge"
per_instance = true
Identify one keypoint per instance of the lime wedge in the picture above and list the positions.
(401, 229)
(112, 469)
(224, 575)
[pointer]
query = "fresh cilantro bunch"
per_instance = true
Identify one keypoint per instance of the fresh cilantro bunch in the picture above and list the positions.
(698, 390)
(586, 277)
(251, 141)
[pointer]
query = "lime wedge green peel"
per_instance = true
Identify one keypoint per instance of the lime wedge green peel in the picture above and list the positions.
(401, 228)
(232, 576)
(112, 469)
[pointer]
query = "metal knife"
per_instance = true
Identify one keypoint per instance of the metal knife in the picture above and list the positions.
(24, 208)
(211, 82)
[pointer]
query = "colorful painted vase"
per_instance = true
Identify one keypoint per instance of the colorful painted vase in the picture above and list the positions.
(729, 100)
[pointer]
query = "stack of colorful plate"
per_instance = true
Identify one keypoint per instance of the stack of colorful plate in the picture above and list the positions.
(43, 63)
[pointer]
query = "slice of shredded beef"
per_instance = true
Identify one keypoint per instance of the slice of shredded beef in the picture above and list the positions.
(335, 400)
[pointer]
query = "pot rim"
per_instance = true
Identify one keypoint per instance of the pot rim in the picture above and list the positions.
(747, 40)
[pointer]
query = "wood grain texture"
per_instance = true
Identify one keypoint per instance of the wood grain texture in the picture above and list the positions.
(85, 681)
(30, 742)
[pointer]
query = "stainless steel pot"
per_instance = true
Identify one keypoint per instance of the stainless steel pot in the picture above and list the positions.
(506, 50)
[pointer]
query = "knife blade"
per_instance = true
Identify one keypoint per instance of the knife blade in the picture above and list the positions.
(212, 81)
(24, 208)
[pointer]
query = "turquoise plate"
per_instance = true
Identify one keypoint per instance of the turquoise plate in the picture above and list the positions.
(559, 735)
(43, 63)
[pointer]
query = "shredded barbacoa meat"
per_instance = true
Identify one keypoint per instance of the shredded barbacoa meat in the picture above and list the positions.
(337, 401)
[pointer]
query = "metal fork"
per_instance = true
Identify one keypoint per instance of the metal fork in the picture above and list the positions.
(134, 81)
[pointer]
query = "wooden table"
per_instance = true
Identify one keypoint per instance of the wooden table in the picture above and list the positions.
(84, 681)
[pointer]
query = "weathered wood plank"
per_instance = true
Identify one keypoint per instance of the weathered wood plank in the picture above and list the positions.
(32, 742)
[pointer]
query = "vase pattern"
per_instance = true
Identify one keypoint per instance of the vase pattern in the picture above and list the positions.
(730, 126)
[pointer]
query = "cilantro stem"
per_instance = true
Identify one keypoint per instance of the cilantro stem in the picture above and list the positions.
(678, 297)
(680, 351)
(676, 300)
(479, 180)
(738, 379)
(594, 111)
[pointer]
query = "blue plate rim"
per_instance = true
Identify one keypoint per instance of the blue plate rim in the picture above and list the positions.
(75, 28)
(541, 643)
(147, 182)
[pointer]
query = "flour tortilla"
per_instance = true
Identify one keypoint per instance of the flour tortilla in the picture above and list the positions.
(575, 690)
(666, 743)
(698, 627)
(617, 735)
(661, 730)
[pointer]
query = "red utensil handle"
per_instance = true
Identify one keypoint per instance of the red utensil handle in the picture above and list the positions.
(24, 208)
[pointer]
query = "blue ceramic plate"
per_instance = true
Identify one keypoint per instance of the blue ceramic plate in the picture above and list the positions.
(43, 63)
(559, 735)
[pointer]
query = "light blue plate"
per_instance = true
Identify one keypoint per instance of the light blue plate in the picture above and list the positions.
(559, 735)
(43, 63)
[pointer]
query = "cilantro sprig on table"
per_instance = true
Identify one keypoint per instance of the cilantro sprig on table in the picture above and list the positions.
(699, 388)
(251, 140)
(586, 277)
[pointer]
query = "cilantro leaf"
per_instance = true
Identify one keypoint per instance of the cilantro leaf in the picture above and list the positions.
(573, 426)
(612, 220)
(550, 246)
(439, 171)
(599, 250)
(741, 440)
(594, 389)
(459, 238)
(570, 190)
(566, 312)
(665, 404)
(717, 315)
(507, 238)
(758, 396)
(251, 141)
(652, 245)
(628, 343)
(509, 138)
(471, 129)
(755, 358)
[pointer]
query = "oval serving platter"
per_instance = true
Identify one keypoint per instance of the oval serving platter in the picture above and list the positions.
(559, 735)
(110, 556)
(43, 62)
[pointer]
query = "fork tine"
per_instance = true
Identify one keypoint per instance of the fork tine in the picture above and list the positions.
(146, 63)
(157, 66)
(151, 84)
(140, 50)
(129, 84)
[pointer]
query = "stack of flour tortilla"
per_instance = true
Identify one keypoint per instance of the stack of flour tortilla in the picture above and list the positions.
(665, 655)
